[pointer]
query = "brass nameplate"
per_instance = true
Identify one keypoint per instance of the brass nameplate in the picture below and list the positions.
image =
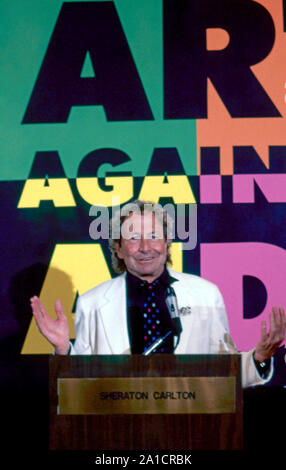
(146, 395)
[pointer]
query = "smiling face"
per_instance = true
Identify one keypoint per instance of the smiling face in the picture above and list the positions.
(143, 246)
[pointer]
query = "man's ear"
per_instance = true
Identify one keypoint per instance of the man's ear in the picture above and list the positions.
(118, 249)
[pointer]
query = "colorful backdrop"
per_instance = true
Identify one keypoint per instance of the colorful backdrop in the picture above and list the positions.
(173, 101)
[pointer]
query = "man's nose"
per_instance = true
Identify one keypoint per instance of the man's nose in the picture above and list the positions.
(144, 244)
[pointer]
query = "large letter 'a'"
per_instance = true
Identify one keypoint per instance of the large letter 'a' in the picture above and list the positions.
(94, 28)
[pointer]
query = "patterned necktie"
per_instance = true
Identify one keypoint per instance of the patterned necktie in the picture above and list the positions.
(151, 317)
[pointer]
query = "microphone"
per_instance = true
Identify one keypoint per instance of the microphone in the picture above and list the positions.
(172, 305)
(156, 344)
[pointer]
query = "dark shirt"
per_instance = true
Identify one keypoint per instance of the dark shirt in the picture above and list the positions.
(139, 294)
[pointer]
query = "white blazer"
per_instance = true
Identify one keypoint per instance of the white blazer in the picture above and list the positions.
(101, 322)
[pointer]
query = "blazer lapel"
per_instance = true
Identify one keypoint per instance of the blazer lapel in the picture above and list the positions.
(113, 314)
(184, 299)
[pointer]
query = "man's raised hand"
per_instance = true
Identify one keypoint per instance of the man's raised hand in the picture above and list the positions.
(270, 340)
(55, 330)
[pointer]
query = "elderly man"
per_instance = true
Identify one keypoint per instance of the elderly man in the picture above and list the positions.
(127, 314)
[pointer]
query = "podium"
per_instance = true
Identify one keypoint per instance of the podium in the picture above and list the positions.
(158, 402)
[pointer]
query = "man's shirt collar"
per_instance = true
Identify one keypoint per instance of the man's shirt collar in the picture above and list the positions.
(165, 279)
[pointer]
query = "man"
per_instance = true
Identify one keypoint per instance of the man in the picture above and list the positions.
(129, 313)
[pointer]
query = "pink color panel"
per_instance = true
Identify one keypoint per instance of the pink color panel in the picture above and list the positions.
(226, 263)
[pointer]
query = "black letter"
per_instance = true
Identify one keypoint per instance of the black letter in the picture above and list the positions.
(91, 163)
(92, 27)
(47, 164)
(165, 160)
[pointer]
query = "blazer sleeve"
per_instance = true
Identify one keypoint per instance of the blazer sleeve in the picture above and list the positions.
(82, 325)
(250, 375)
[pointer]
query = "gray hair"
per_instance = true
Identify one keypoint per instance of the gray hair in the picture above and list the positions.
(119, 217)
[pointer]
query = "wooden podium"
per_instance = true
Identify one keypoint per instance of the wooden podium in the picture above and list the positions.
(159, 402)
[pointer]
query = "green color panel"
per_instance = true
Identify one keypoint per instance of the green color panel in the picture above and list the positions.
(25, 30)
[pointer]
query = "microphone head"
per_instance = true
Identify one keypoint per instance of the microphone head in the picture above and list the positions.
(172, 305)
